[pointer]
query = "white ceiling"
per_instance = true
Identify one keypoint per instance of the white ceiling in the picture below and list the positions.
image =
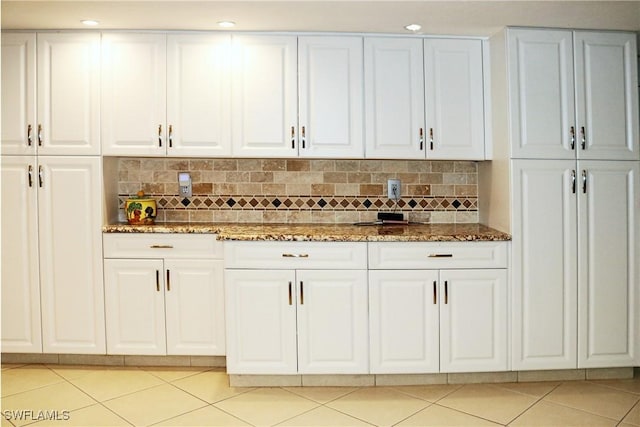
(453, 17)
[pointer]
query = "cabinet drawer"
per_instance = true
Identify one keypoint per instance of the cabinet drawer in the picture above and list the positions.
(161, 245)
(419, 255)
(296, 255)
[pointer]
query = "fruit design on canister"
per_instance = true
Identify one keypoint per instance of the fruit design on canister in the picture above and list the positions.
(140, 210)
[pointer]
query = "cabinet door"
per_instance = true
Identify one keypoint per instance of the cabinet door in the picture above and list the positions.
(69, 93)
(18, 75)
(133, 94)
(454, 99)
(394, 98)
(404, 321)
(609, 247)
(607, 97)
(69, 219)
(198, 95)
(261, 321)
(134, 300)
(264, 96)
(332, 322)
(194, 307)
(544, 266)
(541, 94)
(330, 97)
(473, 320)
(20, 284)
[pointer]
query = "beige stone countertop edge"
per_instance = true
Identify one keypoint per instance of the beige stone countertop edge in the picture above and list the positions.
(323, 232)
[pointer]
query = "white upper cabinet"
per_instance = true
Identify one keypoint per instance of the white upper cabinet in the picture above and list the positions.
(394, 97)
(165, 95)
(274, 114)
(573, 94)
(60, 115)
(435, 112)
(454, 99)
(330, 97)
(607, 98)
(18, 93)
(265, 96)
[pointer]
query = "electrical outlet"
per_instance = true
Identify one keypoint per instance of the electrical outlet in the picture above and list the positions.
(184, 184)
(393, 189)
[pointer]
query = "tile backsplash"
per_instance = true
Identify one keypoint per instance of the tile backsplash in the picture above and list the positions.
(302, 191)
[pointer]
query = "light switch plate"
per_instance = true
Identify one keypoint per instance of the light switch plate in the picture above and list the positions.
(184, 184)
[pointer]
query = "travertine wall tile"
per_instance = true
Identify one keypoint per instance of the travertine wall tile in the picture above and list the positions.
(302, 190)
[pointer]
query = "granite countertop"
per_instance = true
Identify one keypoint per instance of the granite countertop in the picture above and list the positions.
(324, 232)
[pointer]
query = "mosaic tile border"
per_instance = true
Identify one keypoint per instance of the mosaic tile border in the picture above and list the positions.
(314, 203)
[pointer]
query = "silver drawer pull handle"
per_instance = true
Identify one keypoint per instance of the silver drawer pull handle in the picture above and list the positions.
(440, 255)
(161, 247)
(295, 255)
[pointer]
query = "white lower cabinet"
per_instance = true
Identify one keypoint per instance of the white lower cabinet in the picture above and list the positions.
(310, 318)
(164, 295)
(438, 320)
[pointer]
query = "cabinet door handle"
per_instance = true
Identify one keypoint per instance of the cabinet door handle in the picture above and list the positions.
(40, 135)
(421, 139)
(301, 292)
(583, 138)
(431, 138)
(303, 136)
(440, 255)
(161, 246)
(435, 292)
(295, 255)
(170, 136)
(573, 181)
(573, 138)
(30, 176)
(446, 292)
(290, 295)
(159, 135)
(293, 137)
(29, 138)
(157, 280)
(40, 177)
(584, 181)
(168, 280)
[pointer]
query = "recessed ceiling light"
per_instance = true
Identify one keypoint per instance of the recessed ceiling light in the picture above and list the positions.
(90, 22)
(226, 24)
(413, 27)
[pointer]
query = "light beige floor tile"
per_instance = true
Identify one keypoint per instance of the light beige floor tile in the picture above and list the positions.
(71, 372)
(56, 397)
(11, 365)
(379, 406)
(94, 416)
(630, 386)
(430, 393)
(633, 417)
(204, 417)
(172, 373)
(110, 383)
(593, 398)
(28, 377)
(266, 406)
(489, 402)
(322, 417)
(532, 389)
(153, 405)
(549, 414)
(5, 423)
(209, 386)
(436, 415)
(321, 394)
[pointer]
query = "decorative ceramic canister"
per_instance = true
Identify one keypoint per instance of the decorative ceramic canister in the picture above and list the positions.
(140, 210)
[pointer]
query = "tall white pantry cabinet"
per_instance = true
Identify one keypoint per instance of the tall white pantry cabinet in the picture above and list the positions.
(52, 292)
(575, 194)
